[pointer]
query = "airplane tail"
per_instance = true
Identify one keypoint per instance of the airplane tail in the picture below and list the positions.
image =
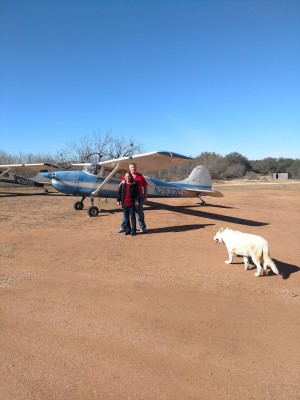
(199, 182)
(199, 178)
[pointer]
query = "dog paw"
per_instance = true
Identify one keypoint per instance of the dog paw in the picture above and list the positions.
(227, 262)
(257, 274)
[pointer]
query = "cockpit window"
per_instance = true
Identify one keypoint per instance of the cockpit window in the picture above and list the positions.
(92, 169)
(118, 175)
(102, 172)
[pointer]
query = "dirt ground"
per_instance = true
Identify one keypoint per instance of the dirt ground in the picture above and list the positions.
(87, 313)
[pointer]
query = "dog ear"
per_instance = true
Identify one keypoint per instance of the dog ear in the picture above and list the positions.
(222, 229)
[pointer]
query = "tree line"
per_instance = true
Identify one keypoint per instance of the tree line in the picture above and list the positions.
(89, 149)
(103, 146)
(233, 166)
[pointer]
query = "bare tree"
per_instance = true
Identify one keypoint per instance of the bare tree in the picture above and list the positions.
(234, 171)
(122, 147)
(98, 147)
(74, 152)
(22, 158)
(102, 143)
(6, 158)
(215, 163)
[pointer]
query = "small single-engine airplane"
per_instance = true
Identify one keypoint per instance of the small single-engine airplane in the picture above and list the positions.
(103, 179)
(9, 178)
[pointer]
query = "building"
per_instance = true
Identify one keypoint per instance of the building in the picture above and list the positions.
(282, 175)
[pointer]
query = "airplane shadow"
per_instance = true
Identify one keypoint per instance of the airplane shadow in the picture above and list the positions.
(211, 205)
(8, 194)
(150, 205)
(203, 214)
(167, 229)
(179, 228)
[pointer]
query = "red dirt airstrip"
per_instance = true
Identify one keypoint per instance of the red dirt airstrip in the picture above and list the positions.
(87, 313)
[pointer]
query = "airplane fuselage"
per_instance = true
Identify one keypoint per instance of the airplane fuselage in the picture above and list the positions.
(82, 183)
(12, 179)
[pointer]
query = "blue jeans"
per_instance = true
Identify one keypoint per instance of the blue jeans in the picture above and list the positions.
(130, 221)
(140, 215)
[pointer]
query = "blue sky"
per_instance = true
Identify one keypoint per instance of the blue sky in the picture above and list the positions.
(181, 75)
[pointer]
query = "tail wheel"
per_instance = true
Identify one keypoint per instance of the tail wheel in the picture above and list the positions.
(93, 211)
(78, 205)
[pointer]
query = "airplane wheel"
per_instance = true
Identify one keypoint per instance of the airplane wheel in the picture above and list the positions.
(93, 211)
(78, 205)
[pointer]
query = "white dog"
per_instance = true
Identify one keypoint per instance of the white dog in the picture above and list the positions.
(247, 245)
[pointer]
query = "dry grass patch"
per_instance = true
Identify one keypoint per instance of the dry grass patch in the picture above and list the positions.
(6, 251)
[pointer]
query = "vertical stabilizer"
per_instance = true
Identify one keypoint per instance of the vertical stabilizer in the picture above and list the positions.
(199, 177)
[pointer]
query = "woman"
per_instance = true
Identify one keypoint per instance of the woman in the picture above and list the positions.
(128, 197)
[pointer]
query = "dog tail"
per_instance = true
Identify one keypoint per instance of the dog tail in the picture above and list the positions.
(268, 262)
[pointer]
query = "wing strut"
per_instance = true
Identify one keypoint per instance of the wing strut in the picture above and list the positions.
(2, 173)
(105, 180)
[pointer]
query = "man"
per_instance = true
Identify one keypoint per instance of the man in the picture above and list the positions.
(142, 198)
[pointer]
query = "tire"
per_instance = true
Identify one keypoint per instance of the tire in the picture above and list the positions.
(93, 211)
(78, 205)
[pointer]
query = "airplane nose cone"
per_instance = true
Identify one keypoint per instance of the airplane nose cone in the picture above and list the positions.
(47, 175)
(65, 181)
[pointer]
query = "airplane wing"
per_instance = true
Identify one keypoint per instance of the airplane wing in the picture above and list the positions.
(149, 162)
(27, 167)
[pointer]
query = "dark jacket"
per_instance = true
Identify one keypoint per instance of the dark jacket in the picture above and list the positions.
(133, 192)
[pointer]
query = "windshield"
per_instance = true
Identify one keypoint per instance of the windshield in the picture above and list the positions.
(92, 169)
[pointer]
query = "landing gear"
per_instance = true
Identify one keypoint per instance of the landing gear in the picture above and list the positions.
(93, 211)
(202, 201)
(79, 205)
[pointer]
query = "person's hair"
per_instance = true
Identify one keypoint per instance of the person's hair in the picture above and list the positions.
(129, 173)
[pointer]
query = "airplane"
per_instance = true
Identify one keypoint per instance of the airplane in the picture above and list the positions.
(102, 179)
(9, 178)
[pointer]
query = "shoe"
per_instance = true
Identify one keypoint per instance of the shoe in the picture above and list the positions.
(133, 233)
(121, 230)
(143, 231)
(127, 233)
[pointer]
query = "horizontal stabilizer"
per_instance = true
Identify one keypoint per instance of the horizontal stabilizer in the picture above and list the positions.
(212, 192)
